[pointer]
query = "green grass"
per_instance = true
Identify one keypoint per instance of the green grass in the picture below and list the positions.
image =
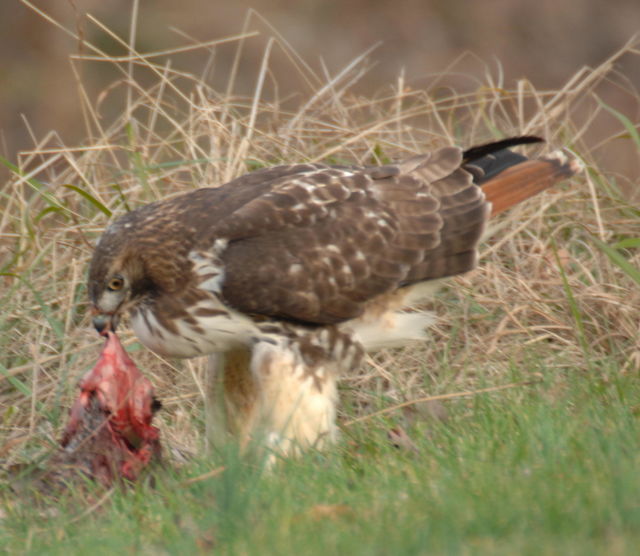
(546, 469)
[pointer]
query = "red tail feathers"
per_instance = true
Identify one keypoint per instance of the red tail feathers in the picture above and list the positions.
(524, 180)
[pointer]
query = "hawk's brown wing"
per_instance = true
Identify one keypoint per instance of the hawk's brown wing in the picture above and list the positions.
(321, 243)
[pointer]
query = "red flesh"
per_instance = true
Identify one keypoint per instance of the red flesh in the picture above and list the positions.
(125, 397)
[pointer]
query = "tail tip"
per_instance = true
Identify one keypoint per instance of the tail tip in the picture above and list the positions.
(570, 163)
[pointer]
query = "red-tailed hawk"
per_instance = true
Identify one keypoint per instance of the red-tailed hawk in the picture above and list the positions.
(287, 275)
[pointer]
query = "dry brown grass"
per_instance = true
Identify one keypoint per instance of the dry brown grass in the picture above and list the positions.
(512, 313)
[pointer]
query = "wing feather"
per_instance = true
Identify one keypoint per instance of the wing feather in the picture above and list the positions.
(320, 244)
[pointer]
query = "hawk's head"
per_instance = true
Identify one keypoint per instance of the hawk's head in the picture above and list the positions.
(118, 279)
(137, 260)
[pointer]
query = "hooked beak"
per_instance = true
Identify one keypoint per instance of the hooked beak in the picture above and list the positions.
(104, 322)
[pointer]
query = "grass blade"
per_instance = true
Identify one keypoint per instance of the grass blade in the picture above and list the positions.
(627, 243)
(15, 382)
(89, 198)
(626, 122)
(618, 259)
(56, 325)
(573, 305)
(35, 184)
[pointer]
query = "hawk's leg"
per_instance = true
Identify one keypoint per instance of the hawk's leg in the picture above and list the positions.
(230, 397)
(214, 416)
(295, 373)
(296, 401)
(283, 393)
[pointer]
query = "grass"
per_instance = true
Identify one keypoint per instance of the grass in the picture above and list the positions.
(551, 469)
(546, 466)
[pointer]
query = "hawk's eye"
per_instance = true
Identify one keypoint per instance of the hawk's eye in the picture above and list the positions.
(115, 283)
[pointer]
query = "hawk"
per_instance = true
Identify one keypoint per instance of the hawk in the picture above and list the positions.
(286, 276)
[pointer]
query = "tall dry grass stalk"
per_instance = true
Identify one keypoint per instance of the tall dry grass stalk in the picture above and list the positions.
(545, 295)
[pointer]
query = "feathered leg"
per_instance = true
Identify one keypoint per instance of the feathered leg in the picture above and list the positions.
(230, 398)
(283, 392)
(296, 401)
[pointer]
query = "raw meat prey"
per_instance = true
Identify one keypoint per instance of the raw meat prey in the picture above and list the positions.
(109, 434)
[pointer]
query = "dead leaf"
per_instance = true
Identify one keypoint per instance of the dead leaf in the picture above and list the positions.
(400, 439)
(329, 511)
